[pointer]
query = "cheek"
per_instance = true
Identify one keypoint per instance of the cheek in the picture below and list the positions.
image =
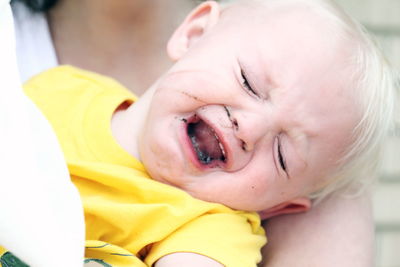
(158, 153)
(255, 185)
(261, 174)
(265, 187)
(162, 165)
(177, 98)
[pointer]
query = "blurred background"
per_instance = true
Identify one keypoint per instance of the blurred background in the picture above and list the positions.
(382, 19)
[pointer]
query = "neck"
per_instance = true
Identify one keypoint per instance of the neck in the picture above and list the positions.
(122, 39)
(127, 123)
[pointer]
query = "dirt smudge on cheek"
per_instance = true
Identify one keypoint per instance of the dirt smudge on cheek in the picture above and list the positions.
(193, 97)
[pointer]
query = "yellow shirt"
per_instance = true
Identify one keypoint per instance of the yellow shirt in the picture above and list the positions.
(132, 220)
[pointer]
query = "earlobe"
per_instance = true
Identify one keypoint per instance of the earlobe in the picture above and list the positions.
(195, 25)
(296, 205)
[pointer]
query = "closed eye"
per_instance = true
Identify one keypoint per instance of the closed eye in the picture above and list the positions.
(281, 156)
(246, 85)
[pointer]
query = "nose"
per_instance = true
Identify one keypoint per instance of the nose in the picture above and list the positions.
(250, 127)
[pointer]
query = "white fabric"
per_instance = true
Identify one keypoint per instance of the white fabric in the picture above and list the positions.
(35, 50)
(41, 218)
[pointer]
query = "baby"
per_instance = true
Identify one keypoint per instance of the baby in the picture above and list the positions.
(269, 104)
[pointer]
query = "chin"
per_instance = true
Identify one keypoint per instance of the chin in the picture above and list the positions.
(163, 167)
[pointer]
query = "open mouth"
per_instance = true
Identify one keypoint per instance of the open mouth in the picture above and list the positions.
(205, 142)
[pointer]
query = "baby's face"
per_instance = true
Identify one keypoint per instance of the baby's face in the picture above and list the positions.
(254, 114)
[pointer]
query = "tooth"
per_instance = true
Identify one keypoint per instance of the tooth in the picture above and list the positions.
(222, 148)
(220, 145)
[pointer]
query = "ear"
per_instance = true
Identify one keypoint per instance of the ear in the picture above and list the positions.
(195, 25)
(296, 205)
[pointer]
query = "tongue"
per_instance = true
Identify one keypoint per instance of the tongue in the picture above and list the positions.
(206, 142)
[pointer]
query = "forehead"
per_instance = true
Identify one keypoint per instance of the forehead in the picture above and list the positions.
(302, 36)
(289, 25)
(289, 44)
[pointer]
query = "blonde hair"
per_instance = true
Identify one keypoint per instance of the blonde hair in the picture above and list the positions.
(375, 90)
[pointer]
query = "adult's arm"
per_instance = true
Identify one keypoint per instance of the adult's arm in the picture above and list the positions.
(338, 232)
(40, 205)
